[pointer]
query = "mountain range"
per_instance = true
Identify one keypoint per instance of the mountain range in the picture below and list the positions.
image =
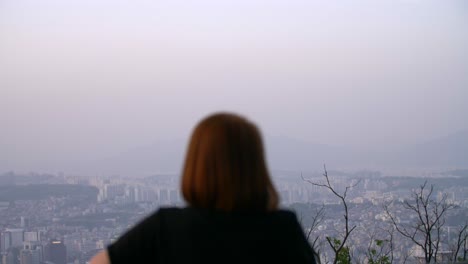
(285, 153)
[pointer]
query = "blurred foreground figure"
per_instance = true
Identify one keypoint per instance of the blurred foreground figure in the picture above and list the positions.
(232, 214)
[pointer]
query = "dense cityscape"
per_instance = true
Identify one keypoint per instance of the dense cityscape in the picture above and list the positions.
(355, 107)
(60, 219)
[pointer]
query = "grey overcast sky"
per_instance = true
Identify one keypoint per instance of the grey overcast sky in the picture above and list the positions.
(91, 78)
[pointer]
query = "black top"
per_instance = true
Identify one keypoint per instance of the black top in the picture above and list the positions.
(190, 235)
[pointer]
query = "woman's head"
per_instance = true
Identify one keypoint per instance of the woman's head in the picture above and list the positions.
(225, 166)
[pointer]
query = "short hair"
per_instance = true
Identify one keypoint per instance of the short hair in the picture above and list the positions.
(225, 167)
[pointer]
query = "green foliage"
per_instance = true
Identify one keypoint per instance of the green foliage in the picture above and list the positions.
(342, 255)
(376, 256)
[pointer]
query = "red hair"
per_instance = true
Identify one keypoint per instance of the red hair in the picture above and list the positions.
(225, 167)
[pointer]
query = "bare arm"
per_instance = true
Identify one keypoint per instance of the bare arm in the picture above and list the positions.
(101, 258)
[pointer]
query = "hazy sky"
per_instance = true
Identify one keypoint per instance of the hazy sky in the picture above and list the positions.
(92, 78)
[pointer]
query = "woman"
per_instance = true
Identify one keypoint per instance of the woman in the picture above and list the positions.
(233, 214)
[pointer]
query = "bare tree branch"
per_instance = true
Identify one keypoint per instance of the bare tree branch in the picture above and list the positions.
(426, 230)
(337, 248)
(462, 236)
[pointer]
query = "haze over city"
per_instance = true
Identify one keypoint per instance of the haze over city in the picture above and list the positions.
(84, 81)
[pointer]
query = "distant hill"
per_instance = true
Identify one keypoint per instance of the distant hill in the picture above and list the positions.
(444, 152)
(167, 157)
(285, 153)
(159, 157)
(291, 154)
(42, 191)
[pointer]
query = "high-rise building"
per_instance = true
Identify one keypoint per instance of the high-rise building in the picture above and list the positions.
(55, 251)
(130, 193)
(5, 241)
(163, 196)
(12, 256)
(24, 222)
(31, 236)
(174, 196)
(16, 236)
(11, 238)
(111, 191)
(31, 253)
(26, 257)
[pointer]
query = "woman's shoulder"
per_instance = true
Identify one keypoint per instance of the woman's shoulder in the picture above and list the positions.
(188, 217)
(170, 214)
(168, 211)
(285, 213)
(191, 210)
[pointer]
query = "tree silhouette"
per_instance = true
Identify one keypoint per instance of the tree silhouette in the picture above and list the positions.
(338, 245)
(461, 243)
(430, 214)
